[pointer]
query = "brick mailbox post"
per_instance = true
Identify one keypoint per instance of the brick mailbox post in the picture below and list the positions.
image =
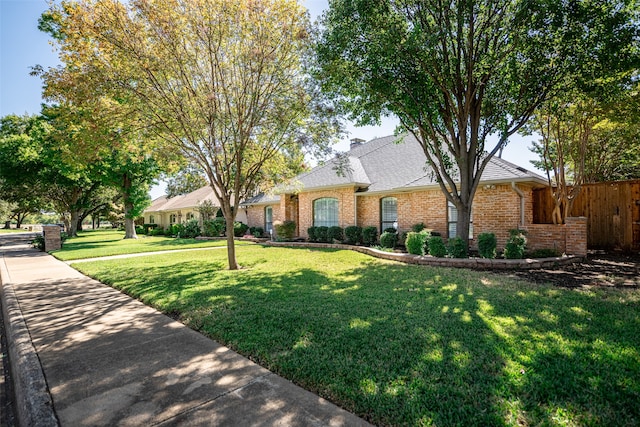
(52, 240)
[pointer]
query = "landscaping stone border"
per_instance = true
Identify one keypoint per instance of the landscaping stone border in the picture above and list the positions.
(473, 263)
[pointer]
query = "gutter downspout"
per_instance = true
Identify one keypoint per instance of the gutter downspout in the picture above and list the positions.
(355, 207)
(521, 195)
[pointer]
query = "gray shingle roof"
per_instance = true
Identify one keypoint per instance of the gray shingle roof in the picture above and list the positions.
(395, 163)
(185, 201)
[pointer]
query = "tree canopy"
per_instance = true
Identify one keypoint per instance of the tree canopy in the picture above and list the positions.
(222, 82)
(460, 72)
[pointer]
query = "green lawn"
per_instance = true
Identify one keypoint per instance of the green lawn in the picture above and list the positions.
(407, 345)
(91, 244)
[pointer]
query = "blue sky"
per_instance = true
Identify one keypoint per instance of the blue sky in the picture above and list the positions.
(22, 46)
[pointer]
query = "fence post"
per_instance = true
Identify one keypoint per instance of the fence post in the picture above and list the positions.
(52, 238)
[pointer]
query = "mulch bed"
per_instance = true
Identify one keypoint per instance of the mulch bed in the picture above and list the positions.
(602, 269)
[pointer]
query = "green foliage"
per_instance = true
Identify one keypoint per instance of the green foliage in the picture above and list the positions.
(544, 253)
(239, 228)
(312, 232)
(516, 245)
(256, 231)
(140, 230)
(390, 230)
(38, 242)
(158, 231)
(487, 244)
(388, 240)
(176, 230)
(214, 227)
(416, 242)
(322, 234)
(416, 228)
(457, 248)
(437, 247)
(191, 229)
(369, 235)
(353, 234)
(335, 233)
(189, 178)
(285, 230)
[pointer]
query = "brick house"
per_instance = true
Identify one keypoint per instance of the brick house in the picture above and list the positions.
(180, 209)
(386, 181)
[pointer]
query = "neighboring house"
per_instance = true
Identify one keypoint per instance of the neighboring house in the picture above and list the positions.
(180, 209)
(387, 181)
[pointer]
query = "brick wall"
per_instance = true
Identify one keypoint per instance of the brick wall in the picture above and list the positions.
(569, 238)
(346, 208)
(255, 215)
(576, 235)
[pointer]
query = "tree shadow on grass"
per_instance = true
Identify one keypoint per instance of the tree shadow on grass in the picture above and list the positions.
(406, 345)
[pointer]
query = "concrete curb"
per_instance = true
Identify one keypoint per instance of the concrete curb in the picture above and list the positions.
(34, 406)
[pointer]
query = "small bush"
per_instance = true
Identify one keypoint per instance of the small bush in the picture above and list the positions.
(176, 230)
(416, 242)
(256, 231)
(388, 240)
(389, 230)
(416, 228)
(369, 235)
(159, 231)
(437, 247)
(322, 234)
(285, 230)
(38, 242)
(312, 232)
(335, 233)
(353, 234)
(544, 253)
(214, 227)
(516, 245)
(148, 227)
(239, 228)
(140, 229)
(487, 243)
(457, 248)
(191, 229)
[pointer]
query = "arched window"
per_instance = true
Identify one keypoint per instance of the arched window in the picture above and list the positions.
(268, 219)
(173, 218)
(325, 212)
(388, 212)
(152, 219)
(191, 216)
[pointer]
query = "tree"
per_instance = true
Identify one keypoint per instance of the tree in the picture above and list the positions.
(188, 179)
(585, 138)
(461, 72)
(221, 81)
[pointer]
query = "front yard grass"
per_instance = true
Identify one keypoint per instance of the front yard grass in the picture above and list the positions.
(407, 345)
(92, 244)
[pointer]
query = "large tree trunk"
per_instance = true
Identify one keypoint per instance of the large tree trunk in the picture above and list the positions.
(462, 223)
(129, 226)
(72, 227)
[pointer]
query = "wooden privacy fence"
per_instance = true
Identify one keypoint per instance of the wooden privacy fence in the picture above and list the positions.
(612, 210)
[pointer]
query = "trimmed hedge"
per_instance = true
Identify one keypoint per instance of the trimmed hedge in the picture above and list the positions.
(353, 234)
(437, 247)
(369, 235)
(388, 240)
(487, 244)
(335, 233)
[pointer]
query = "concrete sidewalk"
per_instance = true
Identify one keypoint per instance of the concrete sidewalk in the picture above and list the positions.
(110, 360)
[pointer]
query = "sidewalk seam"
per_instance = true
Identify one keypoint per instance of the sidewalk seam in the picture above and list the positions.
(34, 405)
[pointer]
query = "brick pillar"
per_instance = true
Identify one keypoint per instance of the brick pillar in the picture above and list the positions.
(576, 236)
(52, 240)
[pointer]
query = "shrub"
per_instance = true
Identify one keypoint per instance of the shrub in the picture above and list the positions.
(285, 230)
(313, 233)
(353, 234)
(213, 227)
(544, 253)
(176, 230)
(239, 228)
(437, 247)
(38, 242)
(388, 240)
(159, 231)
(457, 248)
(191, 229)
(140, 229)
(256, 231)
(322, 234)
(148, 227)
(516, 244)
(487, 243)
(389, 230)
(335, 233)
(369, 235)
(416, 242)
(416, 228)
